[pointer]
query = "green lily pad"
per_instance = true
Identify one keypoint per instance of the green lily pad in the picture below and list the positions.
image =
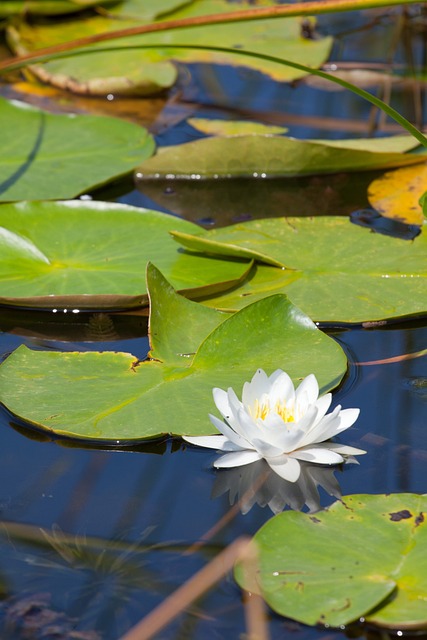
(364, 557)
(191, 324)
(47, 7)
(233, 127)
(46, 156)
(142, 72)
(113, 396)
(334, 270)
(266, 155)
(93, 255)
(146, 9)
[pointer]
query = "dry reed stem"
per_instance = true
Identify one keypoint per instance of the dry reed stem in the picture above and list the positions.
(242, 549)
(404, 356)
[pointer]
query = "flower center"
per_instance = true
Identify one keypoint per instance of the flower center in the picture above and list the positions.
(263, 409)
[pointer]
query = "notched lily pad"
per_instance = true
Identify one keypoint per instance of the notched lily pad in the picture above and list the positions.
(114, 397)
(93, 255)
(364, 557)
(332, 269)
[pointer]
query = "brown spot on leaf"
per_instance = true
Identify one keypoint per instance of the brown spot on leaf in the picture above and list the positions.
(289, 573)
(419, 519)
(346, 605)
(314, 519)
(134, 365)
(400, 515)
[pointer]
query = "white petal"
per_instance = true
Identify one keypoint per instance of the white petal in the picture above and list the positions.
(233, 401)
(324, 429)
(235, 407)
(333, 424)
(221, 400)
(254, 389)
(282, 389)
(250, 428)
(265, 449)
(228, 432)
(275, 375)
(347, 418)
(285, 467)
(272, 422)
(293, 436)
(345, 449)
(220, 443)
(318, 455)
(306, 394)
(237, 459)
(323, 403)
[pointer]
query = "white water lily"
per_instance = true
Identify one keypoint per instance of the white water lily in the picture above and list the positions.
(279, 424)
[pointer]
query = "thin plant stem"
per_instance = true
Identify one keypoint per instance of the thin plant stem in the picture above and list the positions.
(191, 590)
(392, 113)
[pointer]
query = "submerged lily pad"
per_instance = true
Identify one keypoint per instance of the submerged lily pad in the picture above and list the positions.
(148, 71)
(332, 269)
(94, 254)
(366, 556)
(47, 156)
(113, 396)
(266, 155)
(233, 127)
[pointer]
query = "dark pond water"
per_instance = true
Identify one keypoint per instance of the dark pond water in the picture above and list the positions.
(93, 539)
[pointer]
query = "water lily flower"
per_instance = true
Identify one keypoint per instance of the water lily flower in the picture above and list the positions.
(279, 424)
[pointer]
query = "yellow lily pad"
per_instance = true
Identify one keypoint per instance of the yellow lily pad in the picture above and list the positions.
(396, 194)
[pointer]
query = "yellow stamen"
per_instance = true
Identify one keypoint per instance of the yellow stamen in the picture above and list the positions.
(262, 410)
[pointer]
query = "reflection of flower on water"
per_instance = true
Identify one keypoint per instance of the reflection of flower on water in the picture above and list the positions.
(257, 483)
(279, 424)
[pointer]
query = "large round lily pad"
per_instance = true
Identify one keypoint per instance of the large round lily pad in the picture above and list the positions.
(94, 255)
(112, 396)
(364, 557)
(334, 270)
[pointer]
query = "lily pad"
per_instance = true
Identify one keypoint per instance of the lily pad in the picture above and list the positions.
(146, 9)
(364, 557)
(233, 127)
(332, 269)
(48, 7)
(47, 156)
(396, 194)
(113, 396)
(93, 255)
(266, 156)
(141, 72)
